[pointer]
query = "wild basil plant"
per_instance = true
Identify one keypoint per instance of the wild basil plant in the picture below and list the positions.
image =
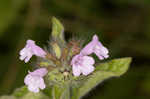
(66, 70)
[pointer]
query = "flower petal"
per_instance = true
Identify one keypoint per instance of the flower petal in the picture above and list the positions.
(28, 57)
(39, 72)
(22, 52)
(38, 51)
(33, 88)
(82, 64)
(28, 79)
(34, 80)
(88, 49)
(87, 69)
(76, 70)
(42, 84)
(101, 51)
(87, 60)
(22, 57)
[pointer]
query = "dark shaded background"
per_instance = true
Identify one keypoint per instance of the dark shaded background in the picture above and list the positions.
(122, 25)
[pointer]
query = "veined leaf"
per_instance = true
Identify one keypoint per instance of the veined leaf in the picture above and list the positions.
(117, 66)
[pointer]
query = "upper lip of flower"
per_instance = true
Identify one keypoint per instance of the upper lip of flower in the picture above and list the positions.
(96, 47)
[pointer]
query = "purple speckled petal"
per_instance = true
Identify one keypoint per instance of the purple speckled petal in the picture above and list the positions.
(82, 64)
(75, 58)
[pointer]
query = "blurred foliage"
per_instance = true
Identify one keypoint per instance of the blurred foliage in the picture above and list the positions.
(9, 10)
(122, 25)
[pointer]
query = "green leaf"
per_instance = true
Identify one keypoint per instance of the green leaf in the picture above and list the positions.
(117, 66)
(114, 68)
(57, 30)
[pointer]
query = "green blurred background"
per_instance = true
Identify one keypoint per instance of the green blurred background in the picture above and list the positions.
(122, 25)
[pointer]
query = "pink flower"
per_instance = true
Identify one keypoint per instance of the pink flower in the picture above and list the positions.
(34, 80)
(82, 64)
(31, 49)
(96, 47)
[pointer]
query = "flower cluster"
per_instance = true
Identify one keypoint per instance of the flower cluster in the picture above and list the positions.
(34, 80)
(81, 63)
